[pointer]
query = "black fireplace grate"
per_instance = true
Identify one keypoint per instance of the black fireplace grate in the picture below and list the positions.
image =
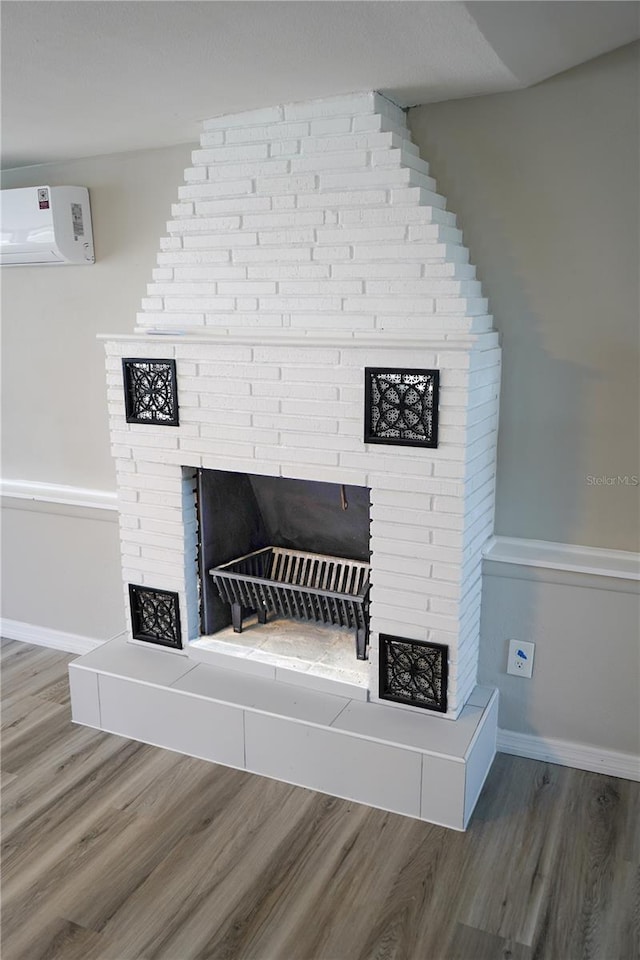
(298, 585)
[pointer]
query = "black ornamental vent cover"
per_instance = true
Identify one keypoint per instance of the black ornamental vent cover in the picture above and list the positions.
(155, 616)
(401, 406)
(413, 672)
(150, 391)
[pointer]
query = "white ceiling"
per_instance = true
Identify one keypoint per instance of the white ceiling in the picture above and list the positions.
(84, 78)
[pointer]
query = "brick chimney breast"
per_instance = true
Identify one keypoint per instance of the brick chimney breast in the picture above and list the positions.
(309, 243)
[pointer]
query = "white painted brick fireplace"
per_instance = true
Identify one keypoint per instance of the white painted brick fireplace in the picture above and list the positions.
(308, 244)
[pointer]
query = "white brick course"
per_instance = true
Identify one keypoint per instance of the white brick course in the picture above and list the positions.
(340, 106)
(400, 214)
(212, 241)
(294, 183)
(245, 119)
(204, 225)
(291, 391)
(349, 234)
(330, 126)
(230, 154)
(282, 237)
(210, 208)
(330, 160)
(198, 304)
(320, 144)
(414, 251)
(292, 218)
(203, 191)
(195, 174)
(270, 132)
(249, 168)
(288, 271)
(342, 198)
(376, 270)
(396, 158)
(271, 254)
(284, 148)
(332, 254)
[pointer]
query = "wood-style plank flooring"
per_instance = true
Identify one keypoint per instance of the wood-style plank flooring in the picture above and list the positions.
(113, 850)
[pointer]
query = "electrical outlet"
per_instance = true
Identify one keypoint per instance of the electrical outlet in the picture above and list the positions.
(520, 662)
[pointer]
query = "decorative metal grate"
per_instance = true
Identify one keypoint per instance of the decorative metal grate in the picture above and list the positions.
(155, 616)
(413, 672)
(151, 391)
(401, 406)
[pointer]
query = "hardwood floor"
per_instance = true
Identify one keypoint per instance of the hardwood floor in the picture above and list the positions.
(113, 850)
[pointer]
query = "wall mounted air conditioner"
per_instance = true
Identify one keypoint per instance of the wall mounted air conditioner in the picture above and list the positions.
(45, 225)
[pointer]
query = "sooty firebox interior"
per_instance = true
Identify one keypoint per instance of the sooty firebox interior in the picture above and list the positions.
(243, 513)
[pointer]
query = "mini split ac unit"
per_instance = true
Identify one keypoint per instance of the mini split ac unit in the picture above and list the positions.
(45, 225)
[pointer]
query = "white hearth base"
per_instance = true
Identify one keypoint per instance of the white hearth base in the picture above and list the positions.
(421, 766)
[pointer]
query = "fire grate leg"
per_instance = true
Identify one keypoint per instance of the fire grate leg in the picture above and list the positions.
(236, 617)
(262, 614)
(362, 640)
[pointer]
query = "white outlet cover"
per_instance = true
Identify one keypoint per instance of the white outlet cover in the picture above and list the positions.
(520, 661)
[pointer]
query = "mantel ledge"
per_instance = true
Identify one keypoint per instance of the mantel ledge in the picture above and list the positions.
(333, 338)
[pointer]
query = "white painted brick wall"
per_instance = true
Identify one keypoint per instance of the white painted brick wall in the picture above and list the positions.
(288, 421)
(318, 222)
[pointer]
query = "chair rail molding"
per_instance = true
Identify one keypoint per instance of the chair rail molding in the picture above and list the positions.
(82, 498)
(569, 557)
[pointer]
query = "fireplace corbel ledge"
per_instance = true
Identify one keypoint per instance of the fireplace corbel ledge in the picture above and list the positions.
(313, 327)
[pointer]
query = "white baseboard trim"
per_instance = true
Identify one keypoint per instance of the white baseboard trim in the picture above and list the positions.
(59, 494)
(569, 754)
(46, 637)
(571, 557)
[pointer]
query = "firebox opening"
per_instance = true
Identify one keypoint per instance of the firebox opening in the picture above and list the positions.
(244, 514)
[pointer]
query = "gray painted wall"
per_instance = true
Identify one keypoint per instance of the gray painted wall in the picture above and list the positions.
(53, 367)
(545, 185)
(587, 657)
(63, 571)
